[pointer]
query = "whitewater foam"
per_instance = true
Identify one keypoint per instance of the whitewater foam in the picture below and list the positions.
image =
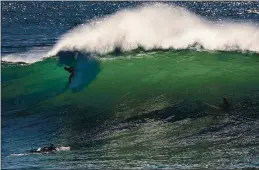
(158, 26)
(31, 56)
(253, 11)
(149, 27)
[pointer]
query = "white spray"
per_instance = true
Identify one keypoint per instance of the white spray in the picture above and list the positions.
(150, 27)
(158, 26)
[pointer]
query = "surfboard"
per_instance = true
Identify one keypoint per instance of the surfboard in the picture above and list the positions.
(213, 106)
(63, 148)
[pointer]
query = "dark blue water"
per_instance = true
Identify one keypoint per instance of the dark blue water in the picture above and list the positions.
(97, 121)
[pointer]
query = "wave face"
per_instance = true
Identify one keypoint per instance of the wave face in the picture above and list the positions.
(158, 26)
(128, 85)
(136, 107)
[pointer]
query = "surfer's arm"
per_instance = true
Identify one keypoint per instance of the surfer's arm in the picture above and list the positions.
(66, 68)
(69, 69)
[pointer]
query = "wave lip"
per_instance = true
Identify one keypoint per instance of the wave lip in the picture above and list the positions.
(157, 26)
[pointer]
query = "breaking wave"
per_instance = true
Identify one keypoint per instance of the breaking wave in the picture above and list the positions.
(149, 27)
(158, 26)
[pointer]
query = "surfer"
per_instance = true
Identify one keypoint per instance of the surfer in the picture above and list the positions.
(225, 105)
(71, 70)
(49, 149)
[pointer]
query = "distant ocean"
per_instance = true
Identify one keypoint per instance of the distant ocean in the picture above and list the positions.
(149, 77)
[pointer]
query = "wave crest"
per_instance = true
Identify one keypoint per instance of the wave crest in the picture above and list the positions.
(157, 26)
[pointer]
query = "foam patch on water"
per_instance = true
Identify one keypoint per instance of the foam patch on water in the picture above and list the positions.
(19, 154)
(253, 11)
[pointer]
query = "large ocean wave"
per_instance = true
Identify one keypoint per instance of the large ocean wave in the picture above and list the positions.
(143, 94)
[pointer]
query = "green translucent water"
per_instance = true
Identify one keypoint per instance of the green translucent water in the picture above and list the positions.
(156, 79)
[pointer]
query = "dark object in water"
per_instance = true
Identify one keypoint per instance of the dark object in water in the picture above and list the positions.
(50, 149)
(71, 70)
(225, 106)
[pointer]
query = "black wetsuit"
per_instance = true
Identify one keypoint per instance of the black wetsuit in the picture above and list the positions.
(44, 150)
(49, 149)
(225, 106)
(71, 71)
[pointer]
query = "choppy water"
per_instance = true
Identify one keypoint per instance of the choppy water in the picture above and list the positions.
(144, 72)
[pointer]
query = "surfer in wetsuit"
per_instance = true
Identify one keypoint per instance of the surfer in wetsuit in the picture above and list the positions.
(71, 70)
(225, 105)
(51, 149)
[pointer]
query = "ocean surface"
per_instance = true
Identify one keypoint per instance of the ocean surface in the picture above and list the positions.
(148, 79)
